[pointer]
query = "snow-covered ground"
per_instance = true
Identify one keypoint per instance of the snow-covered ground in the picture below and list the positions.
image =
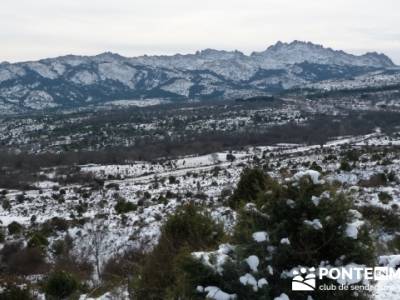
(157, 188)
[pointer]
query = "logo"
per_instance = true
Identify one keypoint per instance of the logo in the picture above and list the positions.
(303, 280)
(351, 277)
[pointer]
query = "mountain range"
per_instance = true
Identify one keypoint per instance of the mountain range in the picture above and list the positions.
(77, 81)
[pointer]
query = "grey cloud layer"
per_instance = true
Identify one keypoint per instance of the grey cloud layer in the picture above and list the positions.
(42, 28)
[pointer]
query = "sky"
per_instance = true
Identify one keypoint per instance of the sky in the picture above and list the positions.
(34, 29)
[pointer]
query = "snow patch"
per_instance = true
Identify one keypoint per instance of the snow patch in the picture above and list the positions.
(352, 229)
(316, 224)
(249, 279)
(314, 175)
(260, 236)
(253, 262)
(215, 259)
(216, 293)
(282, 297)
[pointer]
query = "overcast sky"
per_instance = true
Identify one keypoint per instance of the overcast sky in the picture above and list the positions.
(33, 29)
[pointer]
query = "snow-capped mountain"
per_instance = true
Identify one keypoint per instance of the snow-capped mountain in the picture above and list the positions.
(74, 81)
(282, 54)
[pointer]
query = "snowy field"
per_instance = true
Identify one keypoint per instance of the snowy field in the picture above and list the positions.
(157, 188)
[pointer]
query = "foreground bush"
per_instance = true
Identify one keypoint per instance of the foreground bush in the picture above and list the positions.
(60, 285)
(189, 229)
(37, 240)
(16, 260)
(252, 182)
(14, 228)
(300, 223)
(13, 292)
(124, 206)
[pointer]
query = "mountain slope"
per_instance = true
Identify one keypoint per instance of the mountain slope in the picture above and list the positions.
(75, 81)
(296, 52)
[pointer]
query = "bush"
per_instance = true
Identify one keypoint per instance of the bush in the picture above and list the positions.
(52, 226)
(20, 198)
(114, 186)
(375, 180)
(251, 183)
(14, 292)
(345, 166)
(391, 176)
(22, 261)
(14, 228)
(10, 249)
(287, 221)
(384, 197)
(172, 179)
(33, 219)
(2, 236)
(81, 208)
(314, 166)
(60, 285)
(62, 247)
(121, 266)
(6, 204)
(312, 220)
(352, 155)
(230, 157)
(170, 195)
(187, 230)
(123, 206)
(381, 218)
(59, 224)
(37, 240)
(80, 267)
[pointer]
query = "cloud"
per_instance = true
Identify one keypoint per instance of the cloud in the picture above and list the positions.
(43, 28)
